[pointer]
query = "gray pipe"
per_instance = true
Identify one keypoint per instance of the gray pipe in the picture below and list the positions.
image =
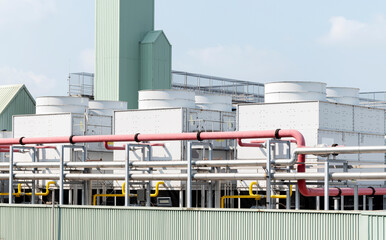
(317, 202)
(341, 150)
(356, 200)
(336, 203)
(11, 176)
(371, 203)
(189, 177)
(154, 164)
(61, 176)
(326, 185)
(197, 176)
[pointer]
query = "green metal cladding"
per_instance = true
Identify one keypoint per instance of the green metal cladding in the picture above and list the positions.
(373, 225)
(99, 223)
(14, 100)
(121, 26)
(156, 67)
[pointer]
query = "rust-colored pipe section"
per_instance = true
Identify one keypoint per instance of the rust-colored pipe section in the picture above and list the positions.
(203, 136)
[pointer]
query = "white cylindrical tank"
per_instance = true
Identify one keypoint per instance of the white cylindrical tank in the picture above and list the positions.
(294, 91)
(345, 95)
(170, 98)
(61, 104)
(106, 108)
(214, 102)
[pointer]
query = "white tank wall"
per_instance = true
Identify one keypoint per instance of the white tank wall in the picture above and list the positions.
(343, 95)
(60, 104)
(118, 105)
(214, 102)
(62, 100)
(158, 99)
(294, 91)
(106, 108)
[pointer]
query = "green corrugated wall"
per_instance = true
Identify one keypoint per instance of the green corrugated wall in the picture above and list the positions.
(34, 222)
(21, 104)
(107, 49)
(120, 27)
(156, 63)
(373, 226)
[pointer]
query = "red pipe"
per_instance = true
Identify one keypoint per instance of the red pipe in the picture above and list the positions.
(108, 147)
(141, 137)
(113, 148)
(7, 151)
(252, 144)
(203, 136)
(37, 147)
(157, 145)
(45, 147)
(263, 141)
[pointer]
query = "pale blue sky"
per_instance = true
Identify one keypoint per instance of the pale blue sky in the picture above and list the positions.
(342, 43)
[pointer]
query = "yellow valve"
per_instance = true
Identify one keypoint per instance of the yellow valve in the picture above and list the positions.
(155, 194)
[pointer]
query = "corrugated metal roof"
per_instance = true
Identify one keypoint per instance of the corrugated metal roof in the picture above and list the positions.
(152, 37)
(7, 94)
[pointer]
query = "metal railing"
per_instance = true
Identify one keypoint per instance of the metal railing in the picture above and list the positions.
(81, 84)
(241, 91)
(373, 99)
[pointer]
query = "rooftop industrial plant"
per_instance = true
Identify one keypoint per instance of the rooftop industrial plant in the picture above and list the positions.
(137, 150)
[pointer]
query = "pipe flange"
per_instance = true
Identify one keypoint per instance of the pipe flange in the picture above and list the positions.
(334, 145)
(136, 137)
(198, 136)
(70, 139)
(340, 192)
(277, 133)
(21, 141)
(372, 195)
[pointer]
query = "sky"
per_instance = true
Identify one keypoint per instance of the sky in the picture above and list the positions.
(342, 43)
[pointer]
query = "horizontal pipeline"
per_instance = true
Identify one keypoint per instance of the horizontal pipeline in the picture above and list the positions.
(139, 137)
(152, 164)
(201, 176)
(342, 150)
